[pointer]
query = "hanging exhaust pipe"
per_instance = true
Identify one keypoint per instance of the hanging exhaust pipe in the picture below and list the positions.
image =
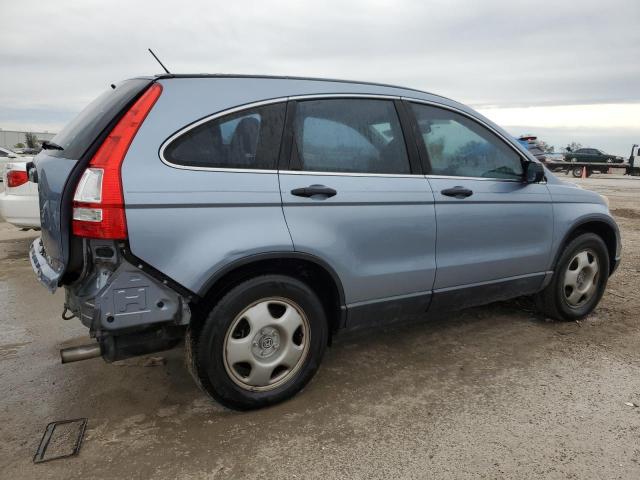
(83, 352)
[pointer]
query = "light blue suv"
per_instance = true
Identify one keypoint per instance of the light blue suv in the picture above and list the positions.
(255, 216)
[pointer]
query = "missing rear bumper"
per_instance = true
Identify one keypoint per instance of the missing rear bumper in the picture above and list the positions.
(127, 310)
(114, 296)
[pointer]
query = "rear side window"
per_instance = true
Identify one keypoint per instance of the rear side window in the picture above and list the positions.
(78, 135)
(349, 135)
(246, 139)
(458, 146)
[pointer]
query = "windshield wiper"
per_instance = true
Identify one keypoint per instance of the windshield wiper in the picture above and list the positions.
(47, 145)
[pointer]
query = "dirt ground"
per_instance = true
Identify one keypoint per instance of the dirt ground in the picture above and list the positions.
(492, 392)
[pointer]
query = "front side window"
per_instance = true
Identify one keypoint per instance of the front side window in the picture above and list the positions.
(458, 146)
(247, 139)
(3, 153)
(349, 135)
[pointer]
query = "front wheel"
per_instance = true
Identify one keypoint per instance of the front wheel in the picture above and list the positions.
(261, 343)
(579, 279)
(577, 172)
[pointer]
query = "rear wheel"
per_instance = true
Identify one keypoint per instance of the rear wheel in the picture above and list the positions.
(261, 343)
(579, 279)
(577, 172)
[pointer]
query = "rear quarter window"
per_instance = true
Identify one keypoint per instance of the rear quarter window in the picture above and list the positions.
(249, 139)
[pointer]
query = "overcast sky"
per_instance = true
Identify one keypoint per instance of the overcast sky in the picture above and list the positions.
(576, 62)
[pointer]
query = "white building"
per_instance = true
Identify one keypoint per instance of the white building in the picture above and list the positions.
(9, 138)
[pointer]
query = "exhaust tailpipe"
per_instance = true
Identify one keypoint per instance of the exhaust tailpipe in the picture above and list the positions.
(83, 352)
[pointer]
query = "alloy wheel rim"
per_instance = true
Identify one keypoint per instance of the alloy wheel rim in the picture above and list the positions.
(266, 344)
(581, 278)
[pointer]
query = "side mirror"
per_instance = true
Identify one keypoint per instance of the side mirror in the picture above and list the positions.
(533, 173)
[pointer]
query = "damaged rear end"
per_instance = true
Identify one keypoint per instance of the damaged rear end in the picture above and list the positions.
(128, 308)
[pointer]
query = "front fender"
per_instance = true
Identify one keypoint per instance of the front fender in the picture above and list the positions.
(596, 222)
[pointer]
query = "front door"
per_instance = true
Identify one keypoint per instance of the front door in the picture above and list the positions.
(352, 197)
(494, 231)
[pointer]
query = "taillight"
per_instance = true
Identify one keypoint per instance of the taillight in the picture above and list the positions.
(15, 178)
(98, 203)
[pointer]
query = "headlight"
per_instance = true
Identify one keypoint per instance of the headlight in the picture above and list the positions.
(606, 200)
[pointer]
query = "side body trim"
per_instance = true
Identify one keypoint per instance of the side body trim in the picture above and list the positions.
(388, 310)
(459, 297)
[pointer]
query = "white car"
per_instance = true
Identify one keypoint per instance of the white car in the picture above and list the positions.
(19, 200)
(7, 156)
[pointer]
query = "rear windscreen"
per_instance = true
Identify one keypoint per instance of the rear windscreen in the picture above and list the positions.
(78, 135)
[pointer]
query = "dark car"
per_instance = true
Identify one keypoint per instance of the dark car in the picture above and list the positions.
(592, 155)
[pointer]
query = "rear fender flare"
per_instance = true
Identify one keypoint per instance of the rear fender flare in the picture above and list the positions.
(258, 257)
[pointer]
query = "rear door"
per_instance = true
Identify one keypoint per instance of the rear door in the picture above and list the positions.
(55, 168)
(352, 197)
(494, 231)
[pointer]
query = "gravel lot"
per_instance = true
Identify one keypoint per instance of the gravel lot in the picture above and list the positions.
(492, 392)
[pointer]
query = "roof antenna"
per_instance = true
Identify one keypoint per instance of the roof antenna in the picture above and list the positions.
(154, 56)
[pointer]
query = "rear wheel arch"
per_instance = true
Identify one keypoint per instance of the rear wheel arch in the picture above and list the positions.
(602, 228)
(311, 270)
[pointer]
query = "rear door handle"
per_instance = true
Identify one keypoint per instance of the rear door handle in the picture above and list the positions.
(312, 190)
(457, 192)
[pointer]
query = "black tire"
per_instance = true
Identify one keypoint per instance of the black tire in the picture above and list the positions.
(205, 357)
(577, 172)
(552, 300)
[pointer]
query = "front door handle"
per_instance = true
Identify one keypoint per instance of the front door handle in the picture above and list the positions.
(312, 190)
(457, 192)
